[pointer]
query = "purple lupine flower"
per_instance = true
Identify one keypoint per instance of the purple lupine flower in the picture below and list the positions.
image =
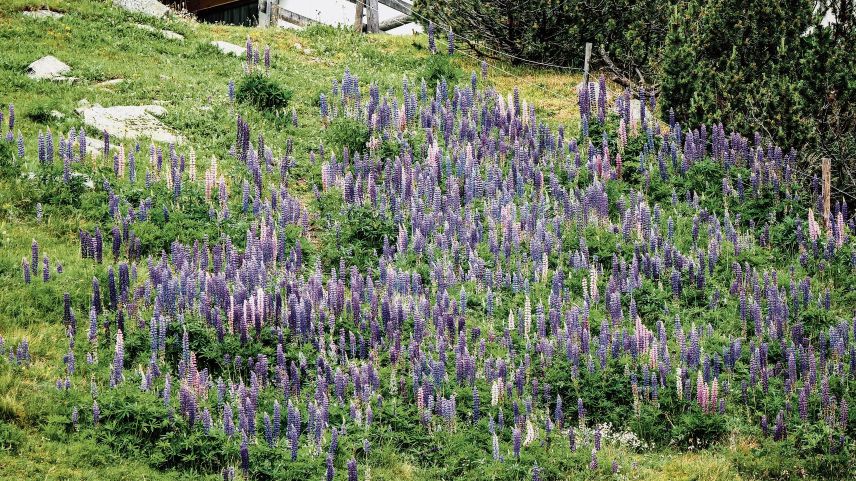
(118, 359)
(34, 260)
(352, 470)
(334, 442)
(228, 421)
(96, 413)
(46, 269)
(432, 47)
(780, 433)
(516, 441)
(593, 464)
(245, 452)
(231, 91)
(329, 472)
(451, 41)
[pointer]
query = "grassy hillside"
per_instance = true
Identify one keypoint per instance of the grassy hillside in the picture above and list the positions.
(140, 434)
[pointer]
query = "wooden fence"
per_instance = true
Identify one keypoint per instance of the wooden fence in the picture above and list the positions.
(366, 15)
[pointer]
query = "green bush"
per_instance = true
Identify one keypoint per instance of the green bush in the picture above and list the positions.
(356, 235)
(11, 437)
(439, 67)
(347, 132)
(263, 93)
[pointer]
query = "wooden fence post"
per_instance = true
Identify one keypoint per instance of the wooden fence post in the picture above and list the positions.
(264, 13)
(358, 16)
(373, 17)
(586, 65)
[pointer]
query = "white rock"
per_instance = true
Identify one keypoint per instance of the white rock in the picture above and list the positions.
(129, 122)
(147, 7)
(43, 14)
(229, 48)
(111, 82)
(145, 27)
(169, 34)
(636, 110)
(172, 35)
(48, 67)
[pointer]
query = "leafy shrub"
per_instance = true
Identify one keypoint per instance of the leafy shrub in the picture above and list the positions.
(697, 429)
(11, 437)
(439, 67)
(263, 93)
(357, 236)
(348, 132)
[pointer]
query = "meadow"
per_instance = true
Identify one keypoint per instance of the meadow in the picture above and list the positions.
(378, 257)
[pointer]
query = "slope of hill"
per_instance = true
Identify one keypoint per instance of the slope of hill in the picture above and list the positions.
(422, 267)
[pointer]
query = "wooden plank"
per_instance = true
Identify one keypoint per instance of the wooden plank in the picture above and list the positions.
(395, 22)
(291, 17)
(397, 5)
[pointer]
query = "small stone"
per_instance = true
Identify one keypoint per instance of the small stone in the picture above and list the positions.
(148, 7)
(43, 14)
(48, 67)
(111, 82)
(169, 34)
(229, 48)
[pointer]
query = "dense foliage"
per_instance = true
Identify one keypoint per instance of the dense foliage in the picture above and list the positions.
(771, 67)
(555, 31)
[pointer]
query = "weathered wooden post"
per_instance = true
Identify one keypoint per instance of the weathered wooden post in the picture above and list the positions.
(373, 17)
(358, 16)
(274, 13)
(264, 13)
(586, 65)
